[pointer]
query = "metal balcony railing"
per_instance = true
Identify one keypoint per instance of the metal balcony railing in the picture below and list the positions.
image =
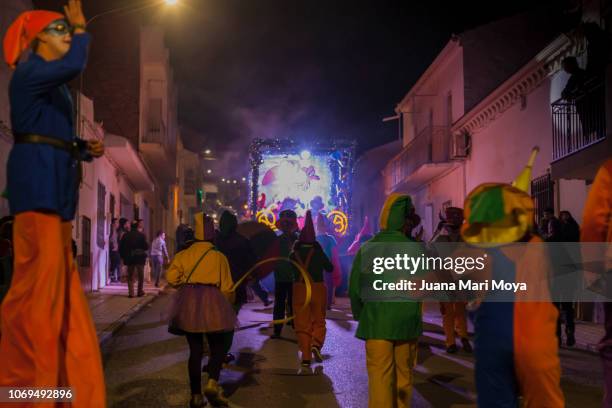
(431, 145)
(579, 122)
(156, 135)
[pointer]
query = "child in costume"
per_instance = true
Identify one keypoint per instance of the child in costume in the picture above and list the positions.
(310, 323)
(202, 308)
(47, 335)
(515, 343)
(390, 329)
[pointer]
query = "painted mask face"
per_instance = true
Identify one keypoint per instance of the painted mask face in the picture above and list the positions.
(58, 28)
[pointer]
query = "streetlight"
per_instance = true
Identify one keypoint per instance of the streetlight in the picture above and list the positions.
(207, 151)
(208, 171)
(244, 179)
(171, 2)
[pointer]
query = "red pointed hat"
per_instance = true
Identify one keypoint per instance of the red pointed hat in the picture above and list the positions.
(23, 31)
(307, 234)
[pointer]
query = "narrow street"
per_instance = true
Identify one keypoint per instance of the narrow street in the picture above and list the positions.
(145, 366)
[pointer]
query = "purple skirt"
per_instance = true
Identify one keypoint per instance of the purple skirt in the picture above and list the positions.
(200, 309)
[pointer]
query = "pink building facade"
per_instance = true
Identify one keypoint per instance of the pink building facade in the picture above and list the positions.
(460, 130)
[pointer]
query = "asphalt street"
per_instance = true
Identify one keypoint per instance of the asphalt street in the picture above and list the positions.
(146, 366)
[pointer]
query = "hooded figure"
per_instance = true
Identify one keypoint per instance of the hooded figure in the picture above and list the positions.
(202, 307)
(241, 258)
(516, 346)
(330, 247)
(390, 329)
(283, 272)
(310, 323)
(48, 337)
(238, 251)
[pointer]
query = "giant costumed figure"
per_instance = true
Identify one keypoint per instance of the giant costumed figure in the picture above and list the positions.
(516, 347)
(597, 227)
(47, 335)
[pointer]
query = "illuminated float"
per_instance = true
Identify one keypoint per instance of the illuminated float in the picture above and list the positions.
(288, 175)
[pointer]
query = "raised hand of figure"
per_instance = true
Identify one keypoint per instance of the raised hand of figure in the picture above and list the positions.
(95, 148)
(74, 14)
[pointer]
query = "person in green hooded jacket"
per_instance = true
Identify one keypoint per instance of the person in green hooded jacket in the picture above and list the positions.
(390, 328)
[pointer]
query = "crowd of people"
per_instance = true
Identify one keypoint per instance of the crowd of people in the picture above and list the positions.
(128, 247)
(516, 343)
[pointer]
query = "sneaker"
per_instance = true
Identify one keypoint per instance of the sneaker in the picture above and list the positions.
(275, 336)
(305, 368)
(452, 349)
(214, 394)
(316, 352)
(267, 303)
(467, 347)
(141, 294)
(196, 401)
(305, 363)
(570, 341)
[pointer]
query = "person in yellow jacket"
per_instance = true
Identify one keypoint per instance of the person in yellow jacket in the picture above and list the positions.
(202, 307)
(597, 227)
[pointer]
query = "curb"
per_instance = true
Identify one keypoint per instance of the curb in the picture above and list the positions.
(107, 335)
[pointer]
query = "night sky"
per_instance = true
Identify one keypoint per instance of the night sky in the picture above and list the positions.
(306, 70)
(300, 69)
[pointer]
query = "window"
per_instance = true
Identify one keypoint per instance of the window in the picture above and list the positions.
(155, 114)
(111, 205)
(85, 242)
(543, 193)
(101, 216)
(190, 181)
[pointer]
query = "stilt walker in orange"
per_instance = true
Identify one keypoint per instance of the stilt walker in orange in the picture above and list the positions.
(47, 337)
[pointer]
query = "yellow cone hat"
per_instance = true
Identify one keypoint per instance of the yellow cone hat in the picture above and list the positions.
(523, 180)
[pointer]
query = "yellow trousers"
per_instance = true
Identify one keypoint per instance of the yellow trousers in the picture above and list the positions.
(390, 365)
(47, 336)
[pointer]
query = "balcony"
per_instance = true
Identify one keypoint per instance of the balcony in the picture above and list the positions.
(424, 158)
(155, 135)
(578, 123)
(159, 152)
(579, 141)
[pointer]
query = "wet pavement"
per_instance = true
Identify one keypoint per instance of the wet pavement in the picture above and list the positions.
(146, 366)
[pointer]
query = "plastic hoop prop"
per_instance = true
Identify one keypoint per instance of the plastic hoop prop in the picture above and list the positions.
(303, 273)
